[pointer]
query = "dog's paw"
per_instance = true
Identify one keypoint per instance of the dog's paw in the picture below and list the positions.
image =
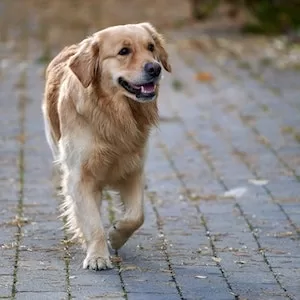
(97, 263)
(116, 239)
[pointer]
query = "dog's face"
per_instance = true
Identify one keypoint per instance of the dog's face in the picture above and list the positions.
(123, 59)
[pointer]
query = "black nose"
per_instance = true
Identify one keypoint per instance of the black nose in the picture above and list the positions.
(152, 69)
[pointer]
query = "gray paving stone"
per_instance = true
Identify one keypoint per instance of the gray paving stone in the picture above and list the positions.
(90, 292)
(41, 266)
(150, 296)
(9, 178)
(257, 288)
(145, 253)
(40, 296)
(205, 288)
(181, 256)
(42, 281)
(211, 140)
(5, 285)
(149, 287)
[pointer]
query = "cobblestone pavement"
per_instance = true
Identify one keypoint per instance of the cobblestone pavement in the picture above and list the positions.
(222, 198)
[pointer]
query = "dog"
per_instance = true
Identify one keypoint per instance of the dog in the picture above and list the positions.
(99, 106)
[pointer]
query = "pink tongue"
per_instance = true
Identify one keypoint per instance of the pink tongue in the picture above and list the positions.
(148, 88)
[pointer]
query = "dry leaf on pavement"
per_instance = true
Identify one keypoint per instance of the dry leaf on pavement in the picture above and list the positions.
(204, 77)
(116, 259)
(236, 192)
(259, 182)
(216, 259)
(129, 268)
(240, 262)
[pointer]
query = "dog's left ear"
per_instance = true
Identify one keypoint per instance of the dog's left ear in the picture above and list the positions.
(160, 45)
(84, 63)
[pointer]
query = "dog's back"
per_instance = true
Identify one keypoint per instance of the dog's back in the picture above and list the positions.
(54, 75)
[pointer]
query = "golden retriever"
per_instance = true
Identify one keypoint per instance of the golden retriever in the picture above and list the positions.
(99, 107)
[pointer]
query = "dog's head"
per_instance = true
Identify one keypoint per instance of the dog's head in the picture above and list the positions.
(125, 59)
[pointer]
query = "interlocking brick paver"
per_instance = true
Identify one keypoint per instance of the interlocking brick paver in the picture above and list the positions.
(40, 295)
(10, 179)
(218, 170)
(150, 296)
(41, 234)
(235, 133)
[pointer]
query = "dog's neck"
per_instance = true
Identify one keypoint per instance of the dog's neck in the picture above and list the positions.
(145, 114)
(121, 117)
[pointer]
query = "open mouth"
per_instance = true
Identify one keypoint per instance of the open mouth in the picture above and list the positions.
(144, 91)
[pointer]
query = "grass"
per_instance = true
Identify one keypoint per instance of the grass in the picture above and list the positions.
(273, 17)
(292, 132)
(177, 85)
(244, 65)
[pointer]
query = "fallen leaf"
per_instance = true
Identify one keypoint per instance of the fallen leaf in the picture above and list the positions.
(129, 268)
(283, 234)
(18, 221)
(195, 197)
(275, 251)
(263, 140)
(8, 246)
(240, 262)
(25, 248)
(259, 182)
(166, 271)
(234, 294)
(204, 77)
(236, 192)
(200, 277)
(241, 254)
(116, 259)
(204, 251)
(218, 236)
(21, 138)
(216, 259)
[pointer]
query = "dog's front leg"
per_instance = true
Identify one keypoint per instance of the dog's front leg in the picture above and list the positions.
(132, 196)
(83, 215)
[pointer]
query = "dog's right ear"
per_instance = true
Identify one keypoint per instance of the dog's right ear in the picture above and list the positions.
(160, 45)
(84, 63)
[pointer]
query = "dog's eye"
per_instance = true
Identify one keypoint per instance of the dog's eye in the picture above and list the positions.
(124, 51)
(151, 47)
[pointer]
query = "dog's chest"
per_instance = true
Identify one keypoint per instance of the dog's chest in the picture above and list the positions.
(124, 164)
(110, 163)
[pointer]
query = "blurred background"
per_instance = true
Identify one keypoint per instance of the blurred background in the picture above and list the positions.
(50, 25)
